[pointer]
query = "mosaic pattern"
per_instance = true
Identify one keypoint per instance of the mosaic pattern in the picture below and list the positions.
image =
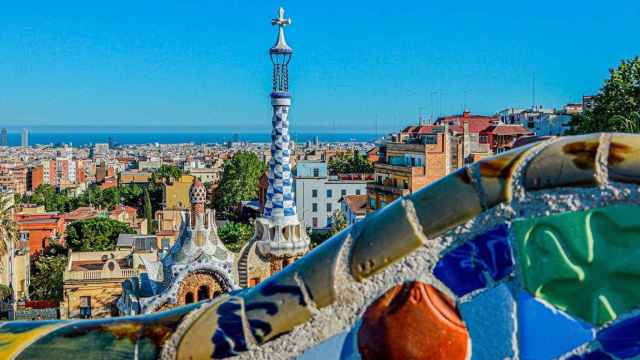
(467, 267)
(280, 198)
(585, 263)
(528, 255)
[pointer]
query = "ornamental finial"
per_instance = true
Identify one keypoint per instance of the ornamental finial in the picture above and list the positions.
(281, 46)
(280, 20)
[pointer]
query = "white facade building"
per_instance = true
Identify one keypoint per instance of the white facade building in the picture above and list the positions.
(318, 194)
(543, 122)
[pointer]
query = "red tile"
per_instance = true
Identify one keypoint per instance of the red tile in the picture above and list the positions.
(413, 321)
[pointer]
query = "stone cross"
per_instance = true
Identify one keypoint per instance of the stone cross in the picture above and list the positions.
(281, 21)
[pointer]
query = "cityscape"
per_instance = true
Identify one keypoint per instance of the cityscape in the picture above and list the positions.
(459, 228)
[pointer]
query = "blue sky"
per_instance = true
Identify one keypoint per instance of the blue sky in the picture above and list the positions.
(356, 63)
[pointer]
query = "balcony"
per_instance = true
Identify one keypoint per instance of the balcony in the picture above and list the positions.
(92, 275)
(409, 170)
(375, 187)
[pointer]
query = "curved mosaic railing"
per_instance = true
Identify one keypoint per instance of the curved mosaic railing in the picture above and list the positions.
(530, 254)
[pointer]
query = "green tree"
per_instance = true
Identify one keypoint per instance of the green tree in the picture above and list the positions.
(47, 196)
(616, 107)
(338, 223)
(167, 174)
(47, 277)
(239, 182)
(349, 164)
(5, 292)
(235, 235)
(148, 212)
(47, 272)
(99, 234)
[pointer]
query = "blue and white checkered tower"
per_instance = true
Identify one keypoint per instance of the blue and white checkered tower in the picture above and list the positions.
(282, 235)
(280, 201)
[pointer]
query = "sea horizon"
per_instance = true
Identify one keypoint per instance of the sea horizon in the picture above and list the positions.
(80, 138)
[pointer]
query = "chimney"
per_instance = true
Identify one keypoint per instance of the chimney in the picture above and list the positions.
(466, 140)
(466, 114)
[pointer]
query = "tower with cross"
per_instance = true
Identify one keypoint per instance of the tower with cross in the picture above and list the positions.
(280, 237)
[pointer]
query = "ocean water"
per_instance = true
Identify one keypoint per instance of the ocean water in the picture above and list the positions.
(127, 138)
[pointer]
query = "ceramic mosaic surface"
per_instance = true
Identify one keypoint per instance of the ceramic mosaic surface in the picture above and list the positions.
(532, 254)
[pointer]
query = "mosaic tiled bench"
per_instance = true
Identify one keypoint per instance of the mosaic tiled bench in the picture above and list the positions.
(533, 254)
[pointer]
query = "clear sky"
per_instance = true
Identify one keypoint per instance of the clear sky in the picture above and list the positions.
(194, 63)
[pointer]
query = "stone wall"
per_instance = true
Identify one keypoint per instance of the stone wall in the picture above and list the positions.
(192, 284)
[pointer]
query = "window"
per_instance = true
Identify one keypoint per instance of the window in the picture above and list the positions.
(188, 298)
(315, 222)
(343, 192)
(329, 193)
(372, 203)
(484, 139)
(316, 172)
(357, 191)
(328, 207)
(203, 292)
(24, 236)
(314, 193)
(429, 139)
(314, 207)
(329, 221)
(165, 243)
(85, 307)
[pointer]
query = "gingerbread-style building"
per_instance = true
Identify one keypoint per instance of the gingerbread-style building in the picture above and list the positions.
(197, 267)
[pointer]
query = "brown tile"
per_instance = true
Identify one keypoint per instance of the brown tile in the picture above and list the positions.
(496, 175)
(568, 162)
(624, 158)
(446, 203)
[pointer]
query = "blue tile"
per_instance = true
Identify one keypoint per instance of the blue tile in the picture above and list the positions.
(350, 347)
(326, 350)
(465, 268)
(546, 333)
(594, 355)
(622, 339)
(490, 322)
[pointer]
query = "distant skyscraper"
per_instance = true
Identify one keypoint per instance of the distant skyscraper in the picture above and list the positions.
(100, 151)
(4, 137)
(24, 140)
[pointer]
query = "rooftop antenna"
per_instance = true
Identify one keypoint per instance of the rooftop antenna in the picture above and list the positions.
(440, 114)
(432, 106)
(464, 100)
(420, 118)
(533, 91)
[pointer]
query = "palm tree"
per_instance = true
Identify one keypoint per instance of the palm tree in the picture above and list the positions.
(8, 226)
(8, 240)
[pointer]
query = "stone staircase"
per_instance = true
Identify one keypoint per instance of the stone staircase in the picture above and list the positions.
(243, 280)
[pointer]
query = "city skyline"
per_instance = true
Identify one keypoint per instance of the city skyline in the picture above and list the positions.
(164, 66)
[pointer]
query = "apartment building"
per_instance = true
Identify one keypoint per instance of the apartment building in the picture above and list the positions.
(318, 194)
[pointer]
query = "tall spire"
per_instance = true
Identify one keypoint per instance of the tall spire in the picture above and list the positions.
(279, 231)
(280, 204)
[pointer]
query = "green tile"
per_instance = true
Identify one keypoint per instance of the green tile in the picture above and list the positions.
(584, 262)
